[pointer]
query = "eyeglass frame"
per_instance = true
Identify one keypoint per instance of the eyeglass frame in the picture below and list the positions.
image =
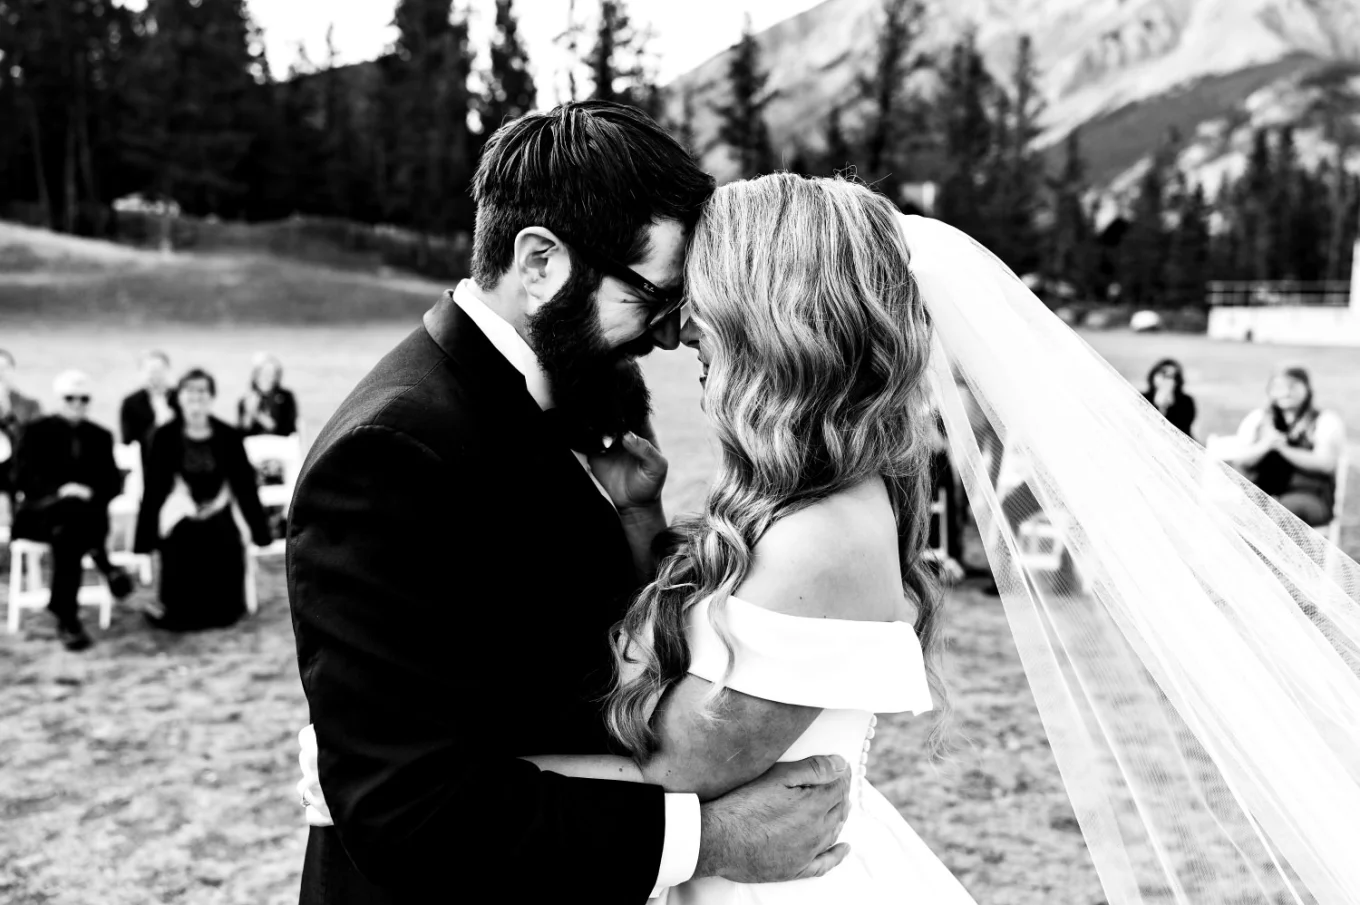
(671, 300)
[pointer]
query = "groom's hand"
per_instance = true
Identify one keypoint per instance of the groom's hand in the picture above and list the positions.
(782, 826)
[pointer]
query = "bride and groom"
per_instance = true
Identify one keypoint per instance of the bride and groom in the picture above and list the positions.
(462, 544)
(517, 670)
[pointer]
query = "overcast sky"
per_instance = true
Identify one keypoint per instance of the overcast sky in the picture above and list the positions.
(688, 32)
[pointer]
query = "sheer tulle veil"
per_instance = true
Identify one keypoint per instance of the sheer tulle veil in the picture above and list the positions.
(1194, 653)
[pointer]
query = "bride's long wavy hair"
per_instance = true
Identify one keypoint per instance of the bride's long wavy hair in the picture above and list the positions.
(819, 347)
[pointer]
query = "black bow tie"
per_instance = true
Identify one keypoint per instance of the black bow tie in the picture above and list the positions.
(573, 433)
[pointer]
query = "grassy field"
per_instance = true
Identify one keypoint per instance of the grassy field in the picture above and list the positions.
(160, 769)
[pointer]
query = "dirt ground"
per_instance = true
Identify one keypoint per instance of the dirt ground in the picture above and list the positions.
(159, 769)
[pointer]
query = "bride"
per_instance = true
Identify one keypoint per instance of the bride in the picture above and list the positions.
(1202, 712)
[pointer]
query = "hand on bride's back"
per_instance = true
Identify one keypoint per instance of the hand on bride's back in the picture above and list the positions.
(782, 826)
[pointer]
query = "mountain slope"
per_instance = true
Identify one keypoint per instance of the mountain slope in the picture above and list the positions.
(1122, 69)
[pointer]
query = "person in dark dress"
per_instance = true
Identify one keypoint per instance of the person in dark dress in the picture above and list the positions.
(151, 406)
(64, 477)
(267, 408)
(16, 412)
(1166, 391)
(197, 481)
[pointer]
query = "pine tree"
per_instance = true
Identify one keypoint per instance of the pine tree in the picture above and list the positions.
(428, 83)
(612, 30)
(199, 102)
(1282, 202)
(63, 70)
(896, 121)
(967, 134)
(838, 155)
(1187, 262)
(1253, 211)
(510, 91)
(1070, 240)
(622, 68)
(1143, 251)
(684, 128)
(1019, 189)
(742, 120)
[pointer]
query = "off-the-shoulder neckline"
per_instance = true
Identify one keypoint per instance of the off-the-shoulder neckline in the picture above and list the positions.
(820, 620)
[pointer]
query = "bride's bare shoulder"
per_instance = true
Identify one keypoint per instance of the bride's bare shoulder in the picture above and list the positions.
(835, 559)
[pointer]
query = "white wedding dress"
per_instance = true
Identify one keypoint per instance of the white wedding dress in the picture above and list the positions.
(852, 670)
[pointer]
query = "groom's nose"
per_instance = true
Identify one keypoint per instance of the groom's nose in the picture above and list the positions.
(666, 335)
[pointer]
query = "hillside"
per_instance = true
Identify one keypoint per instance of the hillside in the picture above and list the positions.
(59, 278)
(1122, 70)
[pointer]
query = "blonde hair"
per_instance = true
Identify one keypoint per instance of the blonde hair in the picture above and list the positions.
(819, 348)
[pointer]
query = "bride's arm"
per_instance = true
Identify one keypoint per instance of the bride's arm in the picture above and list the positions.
(697, 755)
(826, 561)
(589, 766)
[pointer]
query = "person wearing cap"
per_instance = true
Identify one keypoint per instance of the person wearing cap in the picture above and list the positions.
(267, 408)
(64, 477)
(1291, 448)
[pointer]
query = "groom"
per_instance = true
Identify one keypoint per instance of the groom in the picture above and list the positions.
(455, 565)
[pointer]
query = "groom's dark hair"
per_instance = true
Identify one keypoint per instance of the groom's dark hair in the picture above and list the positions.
(595, 171)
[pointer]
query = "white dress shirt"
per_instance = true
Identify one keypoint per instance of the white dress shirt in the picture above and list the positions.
(680, 850)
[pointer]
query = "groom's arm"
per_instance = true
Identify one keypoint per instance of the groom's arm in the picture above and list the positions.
(378, 556)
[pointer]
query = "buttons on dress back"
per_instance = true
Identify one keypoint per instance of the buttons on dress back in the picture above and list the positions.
(861, 774)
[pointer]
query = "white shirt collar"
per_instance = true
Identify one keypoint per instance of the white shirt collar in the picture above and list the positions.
(507, 341)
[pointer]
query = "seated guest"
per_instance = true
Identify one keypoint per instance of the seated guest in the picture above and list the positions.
(151, 406)
(16, 411)
(198, 485)
(64, 477)
(267, 408)
(1166, 391)
(1291, 449)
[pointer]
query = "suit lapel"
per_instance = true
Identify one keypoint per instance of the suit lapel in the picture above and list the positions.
(500, 386)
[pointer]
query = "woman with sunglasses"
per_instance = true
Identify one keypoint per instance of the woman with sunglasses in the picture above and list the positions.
(200, 500)
(64, 477)
(1166, 391)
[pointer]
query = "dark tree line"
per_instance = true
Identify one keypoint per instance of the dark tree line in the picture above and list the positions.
(177, 102)
(974, 137)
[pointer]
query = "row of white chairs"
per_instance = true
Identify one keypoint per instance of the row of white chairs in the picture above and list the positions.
(28, 587)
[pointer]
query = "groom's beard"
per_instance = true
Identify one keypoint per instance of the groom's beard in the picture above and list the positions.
(595, 386)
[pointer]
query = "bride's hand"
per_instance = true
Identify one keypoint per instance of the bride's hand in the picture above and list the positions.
(633, 472)
(309, 787)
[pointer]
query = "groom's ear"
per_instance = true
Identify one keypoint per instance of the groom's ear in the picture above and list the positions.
(541, 265)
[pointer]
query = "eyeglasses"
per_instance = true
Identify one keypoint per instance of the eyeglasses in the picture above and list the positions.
(83, 400)
(665, 302)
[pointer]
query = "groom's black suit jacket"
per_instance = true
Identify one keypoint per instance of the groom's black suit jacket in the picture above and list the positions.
(453, 573)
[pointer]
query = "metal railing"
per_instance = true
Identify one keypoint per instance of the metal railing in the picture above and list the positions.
(1276, 293)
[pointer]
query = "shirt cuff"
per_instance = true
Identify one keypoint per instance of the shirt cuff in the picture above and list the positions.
(680, 851)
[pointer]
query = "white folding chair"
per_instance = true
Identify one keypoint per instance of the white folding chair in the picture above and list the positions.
(285, 453)
(123, 511)
(1332, 530)
(28, 588)
(939, 516)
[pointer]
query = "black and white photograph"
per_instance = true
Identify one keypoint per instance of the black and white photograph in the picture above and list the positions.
(784, 452)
